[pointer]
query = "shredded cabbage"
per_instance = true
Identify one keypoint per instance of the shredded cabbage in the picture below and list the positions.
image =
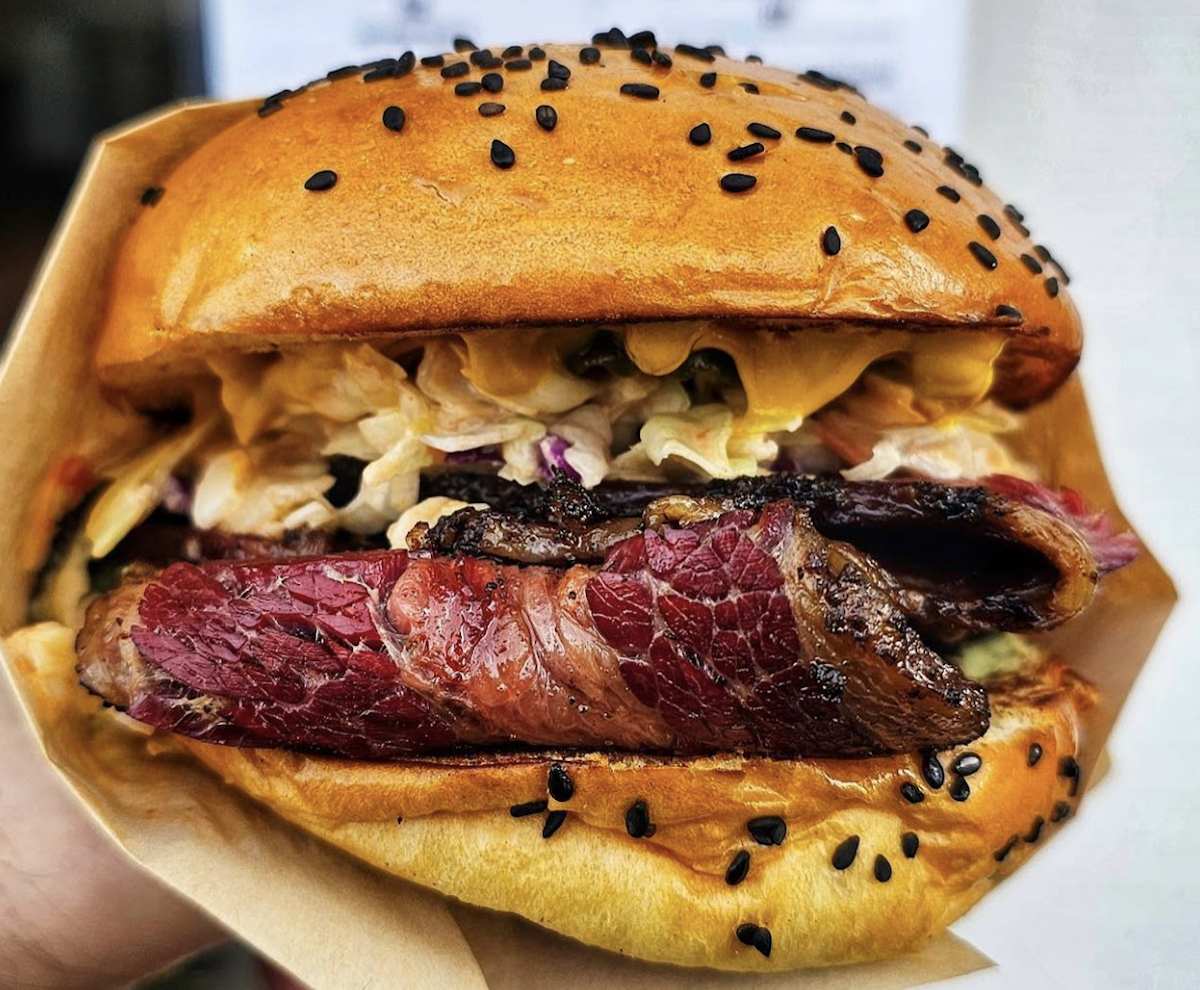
(138, 485)
(248, 490)
(284, 415)
(701, 438)
(965, 447)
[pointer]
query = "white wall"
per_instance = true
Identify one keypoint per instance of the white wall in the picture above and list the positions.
(1087, 114)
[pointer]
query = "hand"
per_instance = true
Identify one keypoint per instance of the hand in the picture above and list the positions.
(75, 912)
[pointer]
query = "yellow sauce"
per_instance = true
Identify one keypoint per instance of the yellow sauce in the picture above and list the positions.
(787, 375)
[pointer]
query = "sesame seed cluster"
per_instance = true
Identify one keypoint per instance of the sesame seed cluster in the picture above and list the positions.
(644, 55)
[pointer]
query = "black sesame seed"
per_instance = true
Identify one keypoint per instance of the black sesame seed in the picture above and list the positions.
(382, 72)
(1035, 754)
(746, 151)
(637, 820)
(764, 131)
(661, 59)
(749, 88)
(278, 97)
(694, 52)
(908, 790)
(491, 109)
(762, 941)
(537, 54)
(512, 51)
(502, 155)
(989, 225)
(613, 36)
(469, 88)
(708, 80)
(399, 819)
(643, 91)
(931, 766)
(756, 59)
(739, 866)
(1002, 853)
(844, 854)
(920, 130)
(643, 39)
(528, 808)
(831, 244)
(768, 830)
(433, 61)
(756, 936)
(493, 82)
(916, 221)
(913, 146)
(320, 181)
(1012, 313)
(1062, 272)
(269, 108)
(1061, 810)
(589, 56)
(967, 764)
(554, 822)
(151, 195)
(556, 70)
(481, 57)
(1030, 262)
(714, 49)
(343, 72)
(519, 65)
(640, 55)
(737, 182)
(455, 70)
(883, 869)
(1035, 830)
(1042, 252)
(464, 45)
(815, 135)
(546, 116)
(405, 64)
(844, 148)
(1052, 287)
(1070, 769)
(848, 117)
(909, 844)
(982, 255)
(819, 79)
(492, 62)
(700, 135)
(959, 789)
(869, 160)
(949, 192)
(393, 119)
(550, 84)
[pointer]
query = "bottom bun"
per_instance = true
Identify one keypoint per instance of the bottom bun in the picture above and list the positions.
(923, 855)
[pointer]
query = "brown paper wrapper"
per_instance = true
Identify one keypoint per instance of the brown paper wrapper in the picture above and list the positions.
(330, 920)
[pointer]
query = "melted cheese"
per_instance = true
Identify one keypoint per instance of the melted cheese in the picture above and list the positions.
(787, 375)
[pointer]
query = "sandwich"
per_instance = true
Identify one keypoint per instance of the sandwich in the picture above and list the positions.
(586, 480)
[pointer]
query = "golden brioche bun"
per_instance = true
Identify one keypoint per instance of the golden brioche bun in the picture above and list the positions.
(446, 823)
(614, 215)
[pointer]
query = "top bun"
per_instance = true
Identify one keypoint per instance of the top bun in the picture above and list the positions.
(450, 213)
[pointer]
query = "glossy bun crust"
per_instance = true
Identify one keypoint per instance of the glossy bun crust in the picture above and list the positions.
(447, 824)
(615, 214)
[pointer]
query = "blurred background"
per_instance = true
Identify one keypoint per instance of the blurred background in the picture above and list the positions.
(1086, 113)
